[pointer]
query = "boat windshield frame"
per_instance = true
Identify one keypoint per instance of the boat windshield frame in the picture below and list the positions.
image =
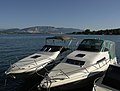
(51, 48)
(92, 45)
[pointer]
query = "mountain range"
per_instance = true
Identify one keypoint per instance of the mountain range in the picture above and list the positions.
(39, 29)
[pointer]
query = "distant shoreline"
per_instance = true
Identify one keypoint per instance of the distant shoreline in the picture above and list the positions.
(51, 34)
(53, 30)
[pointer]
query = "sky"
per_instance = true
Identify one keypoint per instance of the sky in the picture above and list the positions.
(81, 14)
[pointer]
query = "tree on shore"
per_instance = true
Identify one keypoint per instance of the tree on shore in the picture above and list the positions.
(100, 32)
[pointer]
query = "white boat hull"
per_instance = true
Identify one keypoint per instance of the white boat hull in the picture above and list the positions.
(78, 77)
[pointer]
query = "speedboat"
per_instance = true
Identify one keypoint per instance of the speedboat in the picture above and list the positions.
(110, 81)
(37, 61)
(90, 60)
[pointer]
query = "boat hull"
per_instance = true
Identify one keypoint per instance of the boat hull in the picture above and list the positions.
(40, 73)
(82, 85)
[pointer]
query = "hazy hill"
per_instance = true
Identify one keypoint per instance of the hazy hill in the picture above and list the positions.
(1, 29)
(40, 29)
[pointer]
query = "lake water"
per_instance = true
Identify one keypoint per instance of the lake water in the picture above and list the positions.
(15, 47)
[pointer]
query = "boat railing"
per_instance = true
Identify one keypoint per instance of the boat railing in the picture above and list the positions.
(34, 63)
(25, 62)
(50, 80)
(64, 73)
(94, 87)
(84, 69)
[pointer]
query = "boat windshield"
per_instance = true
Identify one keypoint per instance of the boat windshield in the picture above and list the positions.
(51, 48)
(94, 45)
(112, 77)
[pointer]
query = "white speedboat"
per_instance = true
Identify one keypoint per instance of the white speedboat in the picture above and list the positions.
(82, 66)
(35, 62)
(110, 81)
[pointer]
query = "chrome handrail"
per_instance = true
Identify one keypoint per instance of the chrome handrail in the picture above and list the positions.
(85, 68)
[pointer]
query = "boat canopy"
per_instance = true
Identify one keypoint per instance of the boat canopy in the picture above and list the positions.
(67, 40)
(61, 38)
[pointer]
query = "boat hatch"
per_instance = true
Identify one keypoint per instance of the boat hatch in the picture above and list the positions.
(112, 77)
(75, 62)
(36, 56)
(80, 55)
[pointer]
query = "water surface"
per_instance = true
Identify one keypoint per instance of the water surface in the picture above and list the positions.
(15, 47)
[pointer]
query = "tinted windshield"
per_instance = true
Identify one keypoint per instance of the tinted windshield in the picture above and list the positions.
(93, 45)
(49, 48)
